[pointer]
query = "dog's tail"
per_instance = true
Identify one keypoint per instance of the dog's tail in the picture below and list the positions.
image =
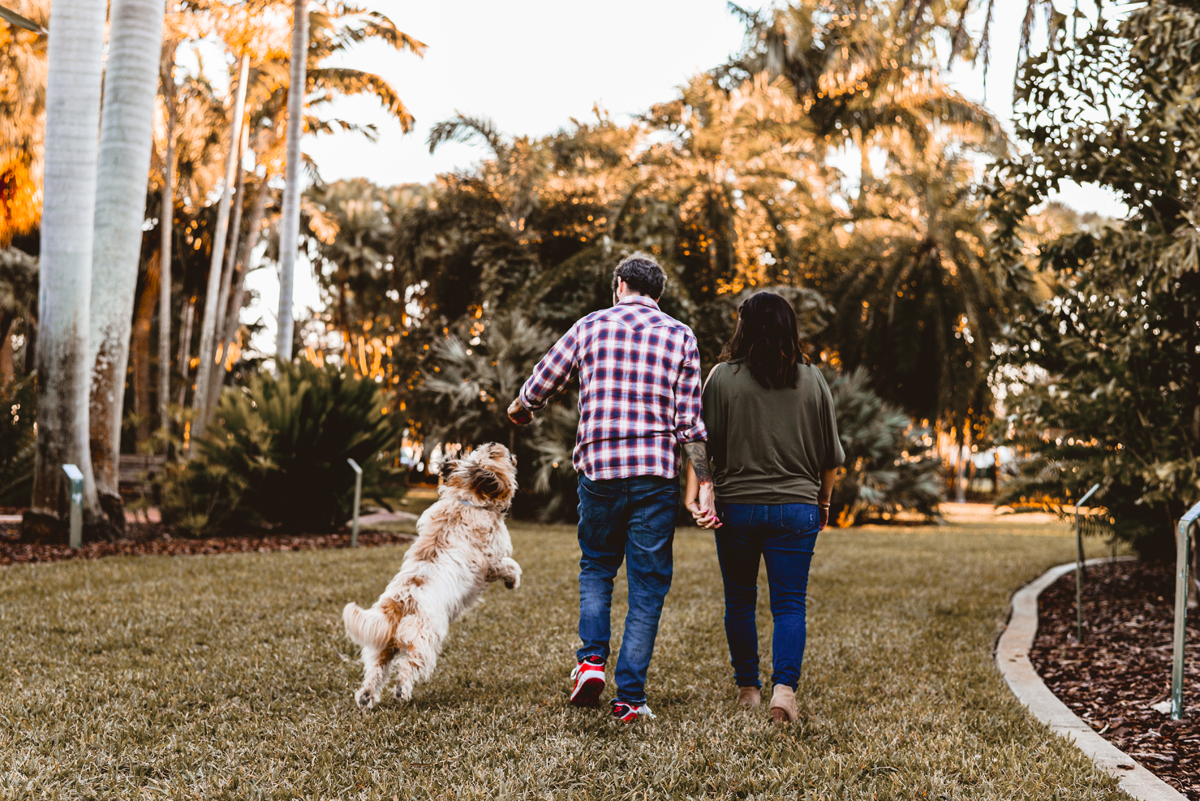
(366, 626)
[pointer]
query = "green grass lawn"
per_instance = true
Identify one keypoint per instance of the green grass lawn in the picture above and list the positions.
(229, 677)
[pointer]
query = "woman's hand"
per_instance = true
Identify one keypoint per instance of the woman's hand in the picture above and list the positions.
(700, 501)
(828, 477)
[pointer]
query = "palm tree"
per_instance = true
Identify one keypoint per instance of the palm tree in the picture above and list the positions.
(126, 136)
(355, 267)
(166, 217)
(335, 28)
(861, 71)
(208, 327)
(742, 179)
(74, 58)
(917, 299)
(289, 228)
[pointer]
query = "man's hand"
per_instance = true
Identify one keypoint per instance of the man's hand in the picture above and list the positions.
(823, 508)
(519, 414)
(700, 497)
(708, 507)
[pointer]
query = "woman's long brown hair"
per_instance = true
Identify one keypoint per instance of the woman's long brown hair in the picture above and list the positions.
(766, 338)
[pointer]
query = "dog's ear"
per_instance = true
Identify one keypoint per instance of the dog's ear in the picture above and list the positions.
(446, 468)
(484, 483)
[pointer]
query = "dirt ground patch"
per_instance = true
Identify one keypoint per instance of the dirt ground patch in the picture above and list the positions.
(1123, 667)
(145, 539)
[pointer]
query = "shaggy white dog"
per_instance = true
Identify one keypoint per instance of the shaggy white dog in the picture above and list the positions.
(462, 544)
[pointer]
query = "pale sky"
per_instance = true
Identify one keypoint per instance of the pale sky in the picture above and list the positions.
(531, 65)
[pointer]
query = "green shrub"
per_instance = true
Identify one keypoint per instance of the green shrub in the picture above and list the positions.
(17, 441)
(889, 463)
(464, 399)
(275, 455)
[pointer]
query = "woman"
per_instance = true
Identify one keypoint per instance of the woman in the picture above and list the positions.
(773, 439)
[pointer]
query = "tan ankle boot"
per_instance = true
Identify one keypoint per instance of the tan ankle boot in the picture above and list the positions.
(783, 704)
(749, 697)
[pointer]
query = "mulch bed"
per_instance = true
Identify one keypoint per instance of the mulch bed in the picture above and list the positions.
(1123, 666)
(147, 538)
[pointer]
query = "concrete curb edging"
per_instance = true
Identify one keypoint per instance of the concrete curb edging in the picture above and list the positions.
(1012, 658)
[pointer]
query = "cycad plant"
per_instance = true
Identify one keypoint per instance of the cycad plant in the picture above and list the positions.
(468, 386)
(889, 463)
(466, 391)
(275, 455)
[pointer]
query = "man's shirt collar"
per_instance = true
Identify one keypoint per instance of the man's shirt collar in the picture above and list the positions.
(639, 300)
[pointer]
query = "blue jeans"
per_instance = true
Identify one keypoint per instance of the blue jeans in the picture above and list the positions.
(630, 519)
(784, 535)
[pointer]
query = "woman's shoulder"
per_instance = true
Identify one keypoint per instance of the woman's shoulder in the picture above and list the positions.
(718, 377)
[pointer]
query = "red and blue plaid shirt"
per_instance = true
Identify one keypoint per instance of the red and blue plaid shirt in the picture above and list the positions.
(639, 389)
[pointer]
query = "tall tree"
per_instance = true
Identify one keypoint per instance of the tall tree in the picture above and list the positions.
(166, 219)
(1111, 360)
(289, 225)
(76, 46)
(126, 136)
(208, 326)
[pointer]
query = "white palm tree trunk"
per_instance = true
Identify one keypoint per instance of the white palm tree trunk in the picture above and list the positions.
(74, 60)
(235, 230)
(126, 138)
(166, 222)
(208, 327)
(289, 225)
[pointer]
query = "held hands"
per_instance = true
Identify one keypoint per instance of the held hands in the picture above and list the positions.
(700, 499)
(519, 414)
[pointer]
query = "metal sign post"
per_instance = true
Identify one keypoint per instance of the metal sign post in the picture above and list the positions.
(76, 497)
(1079, 564)
(357, 500)
(1182, 551)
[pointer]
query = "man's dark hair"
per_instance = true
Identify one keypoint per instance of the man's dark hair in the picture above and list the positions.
(642, 273)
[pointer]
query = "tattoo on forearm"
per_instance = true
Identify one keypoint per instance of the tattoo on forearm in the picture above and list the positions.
(698, 455)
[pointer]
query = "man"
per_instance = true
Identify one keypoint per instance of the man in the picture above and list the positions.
(639, 404)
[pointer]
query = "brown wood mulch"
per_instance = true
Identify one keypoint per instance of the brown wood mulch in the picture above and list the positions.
(1123, 667)
(144, 538)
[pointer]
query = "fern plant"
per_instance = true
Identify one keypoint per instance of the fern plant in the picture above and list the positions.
(275, 456)
(890, 464)
(465, 394)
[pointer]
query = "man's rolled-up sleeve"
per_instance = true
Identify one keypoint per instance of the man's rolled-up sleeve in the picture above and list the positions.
(552, 373)
(689, 417)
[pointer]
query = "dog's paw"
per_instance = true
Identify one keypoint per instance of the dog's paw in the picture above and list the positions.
(365, 699)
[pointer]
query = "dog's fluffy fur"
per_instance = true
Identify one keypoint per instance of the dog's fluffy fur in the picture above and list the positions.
(462, 544)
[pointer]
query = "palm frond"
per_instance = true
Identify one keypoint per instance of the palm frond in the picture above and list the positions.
(13, 18)
(346, 82)
(462, 128)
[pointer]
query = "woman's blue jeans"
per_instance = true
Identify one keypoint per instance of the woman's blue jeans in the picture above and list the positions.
(784, 535)
(629, 520)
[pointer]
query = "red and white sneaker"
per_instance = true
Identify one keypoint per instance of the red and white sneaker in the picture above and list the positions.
(628, 713)
(589, 682)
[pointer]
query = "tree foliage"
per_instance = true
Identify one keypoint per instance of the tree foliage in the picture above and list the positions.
(890, 465)
(1105, 376)
(276, 455)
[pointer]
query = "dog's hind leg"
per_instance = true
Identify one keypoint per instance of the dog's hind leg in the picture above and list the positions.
(417, 665)
(377, 662)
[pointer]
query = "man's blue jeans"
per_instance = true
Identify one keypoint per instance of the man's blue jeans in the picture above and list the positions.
(630, 519)
(784, 535)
